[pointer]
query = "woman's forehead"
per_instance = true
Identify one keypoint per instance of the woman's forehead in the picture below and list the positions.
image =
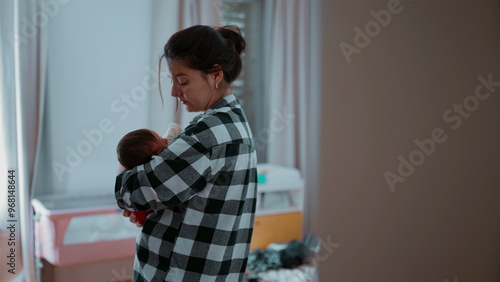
(178, 67)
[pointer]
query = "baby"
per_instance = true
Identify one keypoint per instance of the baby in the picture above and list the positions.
(137, 147)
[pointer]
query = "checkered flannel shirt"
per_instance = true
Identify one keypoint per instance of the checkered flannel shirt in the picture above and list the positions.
(202, 188)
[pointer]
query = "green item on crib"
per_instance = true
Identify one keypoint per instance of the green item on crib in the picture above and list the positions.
(261, 178)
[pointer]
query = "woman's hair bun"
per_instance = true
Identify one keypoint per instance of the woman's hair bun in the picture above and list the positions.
(201, 47)
(233, 34)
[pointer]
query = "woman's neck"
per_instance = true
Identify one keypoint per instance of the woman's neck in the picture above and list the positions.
(218, 96)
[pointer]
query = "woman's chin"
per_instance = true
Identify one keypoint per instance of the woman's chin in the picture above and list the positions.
(190, 109)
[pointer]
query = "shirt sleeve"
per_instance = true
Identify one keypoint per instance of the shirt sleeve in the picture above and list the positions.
(173, 177)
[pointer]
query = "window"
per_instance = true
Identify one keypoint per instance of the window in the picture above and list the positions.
(248, 15)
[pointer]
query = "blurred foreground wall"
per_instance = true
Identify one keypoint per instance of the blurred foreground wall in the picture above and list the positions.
(409, 186)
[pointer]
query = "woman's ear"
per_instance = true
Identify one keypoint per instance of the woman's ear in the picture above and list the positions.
(217, 75)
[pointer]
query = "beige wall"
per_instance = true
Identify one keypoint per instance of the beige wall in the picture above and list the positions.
(443, 221)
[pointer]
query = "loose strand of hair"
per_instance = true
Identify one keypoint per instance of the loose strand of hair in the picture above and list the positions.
(159, 80)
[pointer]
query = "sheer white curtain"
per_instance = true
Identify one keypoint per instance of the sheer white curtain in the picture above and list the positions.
(184, 13)
(287, 77)
(7, 125)
(287, 80)
(23, 65)
(193, 12)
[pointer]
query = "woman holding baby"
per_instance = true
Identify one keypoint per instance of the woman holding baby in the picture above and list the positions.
(201, 188)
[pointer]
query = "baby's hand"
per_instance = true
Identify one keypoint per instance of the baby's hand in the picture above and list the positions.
(137, 217)
(140, 217)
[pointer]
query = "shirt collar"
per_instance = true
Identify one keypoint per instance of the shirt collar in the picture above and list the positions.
(222, 102)
(226, 101)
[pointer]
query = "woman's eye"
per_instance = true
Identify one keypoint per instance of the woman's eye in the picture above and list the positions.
(182, 82)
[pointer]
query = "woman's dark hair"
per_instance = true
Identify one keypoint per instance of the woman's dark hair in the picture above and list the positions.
(201, 47)
(136, 148)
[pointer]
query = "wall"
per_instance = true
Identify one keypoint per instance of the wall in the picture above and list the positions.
(98, 89)
(165, 24)
(442, 222)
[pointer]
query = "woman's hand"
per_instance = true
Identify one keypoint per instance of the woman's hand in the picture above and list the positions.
(120, 169)
(132, 218)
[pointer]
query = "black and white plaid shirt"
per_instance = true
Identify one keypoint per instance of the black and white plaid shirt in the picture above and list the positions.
(202, 188)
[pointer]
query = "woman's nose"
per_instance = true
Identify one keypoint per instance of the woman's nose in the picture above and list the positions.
(174, 93)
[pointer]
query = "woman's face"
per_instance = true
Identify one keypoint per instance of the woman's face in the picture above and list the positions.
(193, 88)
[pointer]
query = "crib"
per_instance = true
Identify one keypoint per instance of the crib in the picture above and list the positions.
(83, 238)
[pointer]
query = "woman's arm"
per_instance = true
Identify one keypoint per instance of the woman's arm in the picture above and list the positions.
(168, 180)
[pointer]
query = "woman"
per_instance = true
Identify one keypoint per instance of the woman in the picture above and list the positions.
(202, 187)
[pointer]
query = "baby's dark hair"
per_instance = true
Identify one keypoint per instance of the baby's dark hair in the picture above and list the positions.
(201, 47)
(136, 148)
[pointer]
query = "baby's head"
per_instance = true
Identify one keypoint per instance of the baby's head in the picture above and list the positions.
(137, 147)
